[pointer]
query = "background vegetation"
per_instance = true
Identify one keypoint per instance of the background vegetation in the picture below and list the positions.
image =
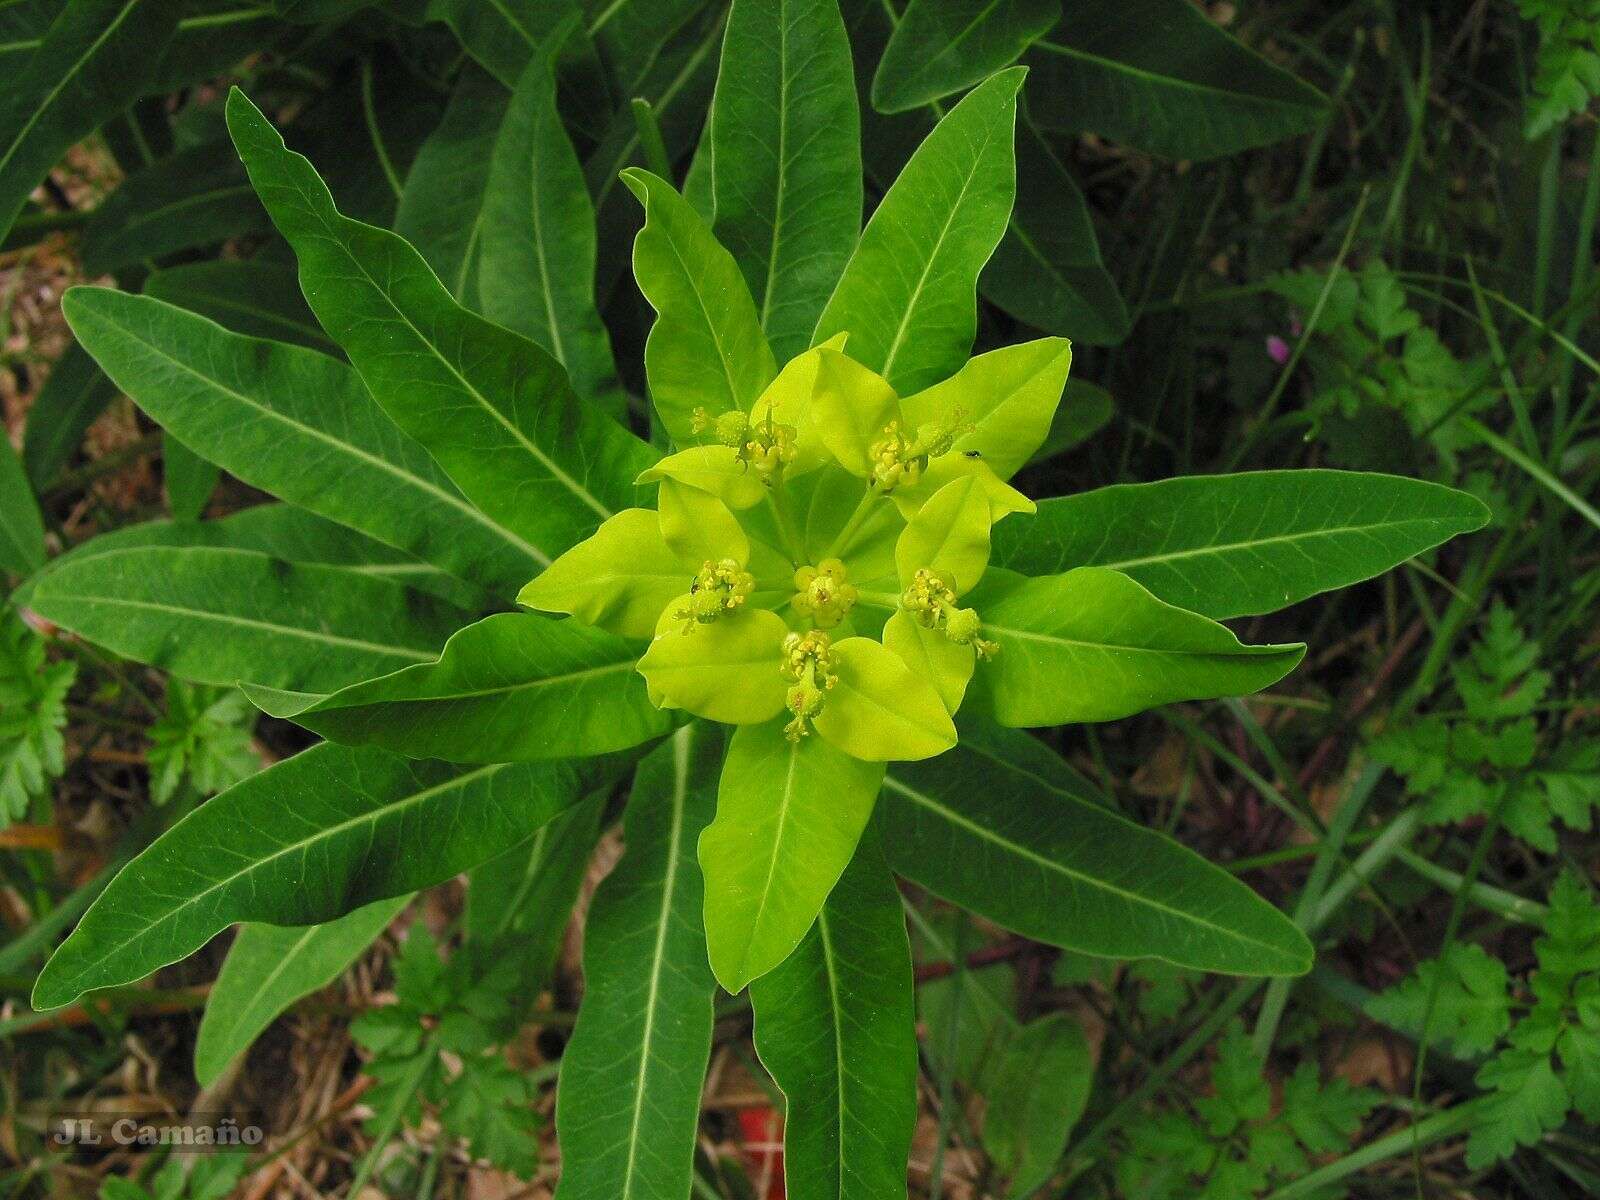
(1372, 246)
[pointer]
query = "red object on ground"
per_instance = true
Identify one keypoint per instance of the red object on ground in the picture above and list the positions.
(763, 1147)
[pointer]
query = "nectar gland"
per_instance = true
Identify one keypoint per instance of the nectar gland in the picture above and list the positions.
(808, 660)
(718, 588)
(931, 602)
(822, 594)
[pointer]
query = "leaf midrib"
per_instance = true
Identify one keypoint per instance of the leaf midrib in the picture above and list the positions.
(155, 215)
(373, 460)
(476, 693)
(1241, 650)
(1167, 81)
(242, 1014)
(482, 401)
(680, 790)
(1275, 539)
(320, 835)
(67, 76)
(1021, 851)
(332, 639)
(938, 245)
(793, 757)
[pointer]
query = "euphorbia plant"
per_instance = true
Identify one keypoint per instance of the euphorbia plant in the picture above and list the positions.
(809, 629)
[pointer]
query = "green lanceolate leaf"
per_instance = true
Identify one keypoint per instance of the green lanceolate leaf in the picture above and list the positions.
(280, 531)
(1047, 270)
(944, 46)
(298, 424)
(836, 1027)
(442, 205)
(537, 268)
(1109, 649)
(1005, 828)
(786, 159)
(626, 1111)
(304, 842)
(94, 60)
(21, 526)
(908, 296)
(494, 409)
(1037, 1090)
(1236, 545)
(268, 968)
(502, 36)
(196, 197)
(222, 616)
(513, 687)
(706, 349)
(75, 393)
(789, 814)
(1161, 76)
(188, 478)
(261, 299)
(521, 901)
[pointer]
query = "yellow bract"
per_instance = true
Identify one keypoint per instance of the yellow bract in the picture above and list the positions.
(829, 511)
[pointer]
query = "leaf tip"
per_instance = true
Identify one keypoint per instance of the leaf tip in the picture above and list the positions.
(48, 991)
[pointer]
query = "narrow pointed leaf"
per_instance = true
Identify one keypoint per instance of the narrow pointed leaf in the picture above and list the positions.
(222, 616)
(280, 531)
(503, 35)
(786, 159)
(789, 814)
(442, 206)
(268, 968)
(189, 479)
(195, 197)
(836, 1027)
(1236, 545)
(1109, 649)
(261, 299)
(537, 267)
(627, 1109)
(1047, 270)
(706, 349)
(493, 409)
(521, 901)
(1163, 77)
(21, 525)
(908, 296)
(678, 82)
(1004, 827)
(93, 61)
(305, 841)
(940, 47)
(298, 424)
(1037, 1089)
(75, 393)
(513, 687)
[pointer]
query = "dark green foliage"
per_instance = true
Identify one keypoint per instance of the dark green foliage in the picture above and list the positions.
(1493, 758)
(1238, 1143)
(33, 710)
(466, 1008)
(202, 742)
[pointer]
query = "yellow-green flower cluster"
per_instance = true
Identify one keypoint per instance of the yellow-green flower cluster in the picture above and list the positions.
(806, 562)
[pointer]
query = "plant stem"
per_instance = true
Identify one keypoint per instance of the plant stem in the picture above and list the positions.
(863, 510)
